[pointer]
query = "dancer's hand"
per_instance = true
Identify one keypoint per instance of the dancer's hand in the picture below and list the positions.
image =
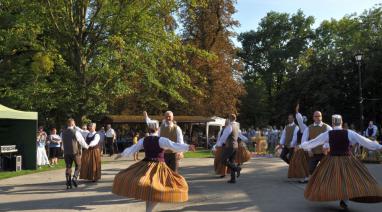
(277, 147)
(191, 148)
(297, 107)
(118, 157)
(326, 151)
(179, 155)
(145, 114)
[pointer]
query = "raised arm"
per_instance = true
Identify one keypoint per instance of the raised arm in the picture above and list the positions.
(300, 122)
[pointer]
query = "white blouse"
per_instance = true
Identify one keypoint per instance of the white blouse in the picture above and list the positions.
(164, 143)
(353, 137)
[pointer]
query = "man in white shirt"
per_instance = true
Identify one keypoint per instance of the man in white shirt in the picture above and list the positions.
(110, 140)
(169, 129)
(371, 131)
(229, 139)
(288, 139)
(312, 131)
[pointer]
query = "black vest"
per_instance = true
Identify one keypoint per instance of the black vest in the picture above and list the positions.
(233, 137)
(339, 142)
(69, 140)
(153, 151)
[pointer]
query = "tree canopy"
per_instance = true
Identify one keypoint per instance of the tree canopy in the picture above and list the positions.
(286, 62)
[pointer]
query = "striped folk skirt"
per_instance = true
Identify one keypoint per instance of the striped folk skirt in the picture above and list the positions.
(298, 167)
(220, 168)
(342, 178)
(91, 164)
(151, 181)
(242, 156)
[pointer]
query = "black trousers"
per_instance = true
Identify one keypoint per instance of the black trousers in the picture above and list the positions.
(70, 158)
(313, 162)
(109, 146)
(228, 158)
(286, 154)
(171, 161)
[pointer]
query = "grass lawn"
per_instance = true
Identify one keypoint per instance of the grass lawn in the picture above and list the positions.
(8, 174)
(60, 165)
(199, 153)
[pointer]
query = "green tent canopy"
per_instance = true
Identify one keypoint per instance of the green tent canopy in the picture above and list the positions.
(8, 113)
(19, 128)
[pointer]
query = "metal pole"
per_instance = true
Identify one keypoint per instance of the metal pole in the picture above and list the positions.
(360, 97)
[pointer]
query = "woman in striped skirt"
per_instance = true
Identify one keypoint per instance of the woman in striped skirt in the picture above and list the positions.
(91, 158)
(151, 179)
(298, 166)
(340, 176)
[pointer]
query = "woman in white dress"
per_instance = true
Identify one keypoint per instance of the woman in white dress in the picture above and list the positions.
(42, 157)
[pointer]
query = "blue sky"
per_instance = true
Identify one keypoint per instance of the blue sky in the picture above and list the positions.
(250, 12)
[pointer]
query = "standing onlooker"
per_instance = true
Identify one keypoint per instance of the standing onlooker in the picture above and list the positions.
(102, 137)
(42, 158)
(135, 141)
(273, 138)
(371, 131)
(54, 146)
(110, 140)
(84, 131)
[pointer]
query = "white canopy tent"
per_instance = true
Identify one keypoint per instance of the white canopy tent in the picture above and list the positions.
(218, 121)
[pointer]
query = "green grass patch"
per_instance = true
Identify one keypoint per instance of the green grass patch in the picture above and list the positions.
(199, 153)
(60, 165)
(9, 174)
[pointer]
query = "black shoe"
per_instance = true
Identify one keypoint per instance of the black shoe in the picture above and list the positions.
(343, 205)
(304, 181)
(222, 176)
(238, 172)
(231, 181)
(68, 185)
(75, 183)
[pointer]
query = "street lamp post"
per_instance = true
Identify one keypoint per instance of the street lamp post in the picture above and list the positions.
(358, 59)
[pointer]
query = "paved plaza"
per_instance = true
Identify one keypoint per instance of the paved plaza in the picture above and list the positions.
(263, 186)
